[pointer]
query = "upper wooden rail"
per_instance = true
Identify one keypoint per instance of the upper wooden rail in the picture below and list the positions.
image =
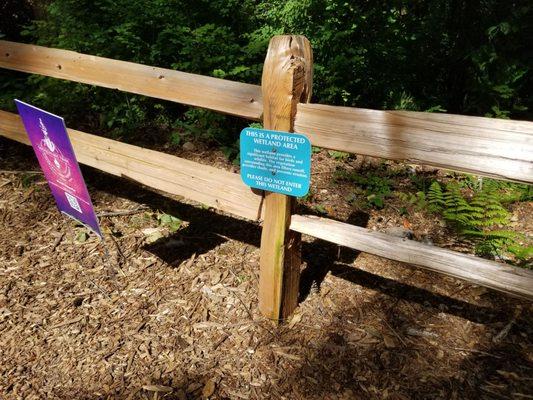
(485, 146)
(214, 187)
(235, 98)
(501, 277)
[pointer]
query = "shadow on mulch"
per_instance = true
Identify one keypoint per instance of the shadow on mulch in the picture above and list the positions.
(207, 229)
(414, 369)
(353, 368)
(320, 257)
(495, 370)
(348, 371)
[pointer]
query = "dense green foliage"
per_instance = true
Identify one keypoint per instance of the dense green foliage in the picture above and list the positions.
(371, 188)
(469, 57)
(474, 209)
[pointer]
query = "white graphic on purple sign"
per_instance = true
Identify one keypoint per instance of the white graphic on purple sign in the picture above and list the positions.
(53, 155)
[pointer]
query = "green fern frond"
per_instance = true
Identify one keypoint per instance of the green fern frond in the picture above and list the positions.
(435, 198)
(504, 234)
(478, 217)
(522, 253)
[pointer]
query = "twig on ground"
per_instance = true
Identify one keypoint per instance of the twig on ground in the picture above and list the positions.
(70, 322)
(57, 241)
(475, 351)
(395, 333)
(191, 313)
(121, 212)
(120, 253)
(3, 171)
(420, 333)
(244, 305)
(507, 328)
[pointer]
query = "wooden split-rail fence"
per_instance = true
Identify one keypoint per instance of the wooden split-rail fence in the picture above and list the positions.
(488, 147)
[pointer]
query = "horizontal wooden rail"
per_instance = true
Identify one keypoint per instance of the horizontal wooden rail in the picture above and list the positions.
(241, 99)
(211, 186)
(501, 277)
(485, 146)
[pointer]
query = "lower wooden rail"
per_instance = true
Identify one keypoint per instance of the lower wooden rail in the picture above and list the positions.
(211, 186)
(224, 191)
(501, 277)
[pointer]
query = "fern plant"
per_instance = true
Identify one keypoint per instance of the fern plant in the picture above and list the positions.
(487, 210)
(435, 197)
(482, 216)
(456, 208)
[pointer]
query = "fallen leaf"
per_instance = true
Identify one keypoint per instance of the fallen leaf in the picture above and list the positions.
(389, 342)
(152, 234)
(294, 320)
(479, 291)
(373, 332)
(82, 237)
(508, 375)
(172, 222)
(287, 355)
(209, 389)
(158, 388)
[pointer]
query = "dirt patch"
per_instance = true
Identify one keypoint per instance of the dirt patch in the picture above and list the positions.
(177, 318)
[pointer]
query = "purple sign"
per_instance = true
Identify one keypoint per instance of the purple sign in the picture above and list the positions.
(50, 141)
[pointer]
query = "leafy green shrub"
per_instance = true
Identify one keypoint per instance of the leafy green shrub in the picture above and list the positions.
(371, 189)
(418, 200)
(338, 155)
(173, 223)
(202, 37)
(463, 57)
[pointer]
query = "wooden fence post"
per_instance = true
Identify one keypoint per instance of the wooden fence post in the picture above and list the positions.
(287, 81)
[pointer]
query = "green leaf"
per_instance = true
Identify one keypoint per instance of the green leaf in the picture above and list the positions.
(218, 73)
(170, 221)
(175, 138)
(321, 209)
(338, 155)
(82, 237)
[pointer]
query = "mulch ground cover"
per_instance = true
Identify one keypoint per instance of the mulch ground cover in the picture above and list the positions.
(160, 313)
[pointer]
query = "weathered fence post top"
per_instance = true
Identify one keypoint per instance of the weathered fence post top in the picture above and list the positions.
(287, 81)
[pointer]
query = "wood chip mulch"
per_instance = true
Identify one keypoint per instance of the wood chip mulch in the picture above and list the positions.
(176, 317)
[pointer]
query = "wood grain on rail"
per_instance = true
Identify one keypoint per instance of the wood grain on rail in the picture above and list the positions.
(235, 98)
(502, 277)
(287, 79)
(484, 146)
(204, 184)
